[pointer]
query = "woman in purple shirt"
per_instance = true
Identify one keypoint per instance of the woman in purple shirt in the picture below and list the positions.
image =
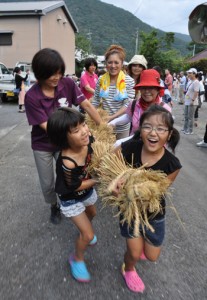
(51, 91)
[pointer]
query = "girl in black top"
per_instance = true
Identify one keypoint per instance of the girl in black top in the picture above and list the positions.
(67, 129)
(148, 146)
(20, 89)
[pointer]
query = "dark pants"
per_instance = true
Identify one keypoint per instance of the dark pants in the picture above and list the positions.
(205, 135)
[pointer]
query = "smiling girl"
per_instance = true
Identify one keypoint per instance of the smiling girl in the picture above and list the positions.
(148, 147)
(67, 130)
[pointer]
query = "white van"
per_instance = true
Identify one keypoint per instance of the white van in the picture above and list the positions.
(5, 74)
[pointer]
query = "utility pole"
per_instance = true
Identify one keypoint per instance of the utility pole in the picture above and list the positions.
(89, 38)
(194, 49)
(137, 41)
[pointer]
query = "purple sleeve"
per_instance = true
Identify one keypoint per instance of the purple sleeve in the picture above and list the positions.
(76, 95)
(35, 113)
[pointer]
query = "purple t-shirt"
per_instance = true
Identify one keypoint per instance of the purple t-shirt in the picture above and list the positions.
(40, 107)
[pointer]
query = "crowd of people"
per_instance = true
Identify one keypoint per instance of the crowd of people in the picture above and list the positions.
(139, 103)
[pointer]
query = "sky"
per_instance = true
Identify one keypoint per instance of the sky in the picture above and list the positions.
(166, 15)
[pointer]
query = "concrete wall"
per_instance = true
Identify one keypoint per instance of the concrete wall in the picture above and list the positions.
(34, 33)
(24, 40)
(59, 36)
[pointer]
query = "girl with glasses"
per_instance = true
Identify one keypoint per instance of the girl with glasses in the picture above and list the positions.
(148, 146)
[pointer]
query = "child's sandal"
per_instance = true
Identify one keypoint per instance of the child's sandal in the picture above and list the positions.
(79, 270)
(142, 256)
(133, 281)
(93, 242)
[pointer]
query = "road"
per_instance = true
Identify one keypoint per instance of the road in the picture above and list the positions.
(34, 253)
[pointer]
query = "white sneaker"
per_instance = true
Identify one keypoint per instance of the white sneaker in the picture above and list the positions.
(202, 144)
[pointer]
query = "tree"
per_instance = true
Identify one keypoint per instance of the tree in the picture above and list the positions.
(82, 45)
(168, 40)
(158, 51)
(149, 46)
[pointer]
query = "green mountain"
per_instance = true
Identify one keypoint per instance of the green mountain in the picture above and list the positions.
(106, 24)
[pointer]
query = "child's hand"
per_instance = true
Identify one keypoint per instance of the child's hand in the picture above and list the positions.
(116, 186)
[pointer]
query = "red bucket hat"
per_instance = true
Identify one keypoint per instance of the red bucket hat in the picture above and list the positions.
(149, 78)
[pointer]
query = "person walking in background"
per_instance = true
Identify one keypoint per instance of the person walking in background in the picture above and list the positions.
(182, 87)
(137, 64)
(169, 81)
(67, 130)
(89, 78)
(191, 101)
(51, 91)
(28, 81)
(156, 131)
(200, 98)
(203, 143)
(114, 90)
(20, 87)
(176, 86)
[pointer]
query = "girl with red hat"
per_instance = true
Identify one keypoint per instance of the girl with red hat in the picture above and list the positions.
(151, 93)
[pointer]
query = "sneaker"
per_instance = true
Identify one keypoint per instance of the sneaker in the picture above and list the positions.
(202, 144)
(21, 110)
(55, 216)
(186, 132)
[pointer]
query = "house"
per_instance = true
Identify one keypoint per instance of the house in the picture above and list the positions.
(27, 27)
(198, 56)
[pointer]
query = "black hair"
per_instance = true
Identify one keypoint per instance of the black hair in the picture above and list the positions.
(167, 119)
(16, 70)
(90, 61)
(46, 63)
(158, 69)
(60, 123)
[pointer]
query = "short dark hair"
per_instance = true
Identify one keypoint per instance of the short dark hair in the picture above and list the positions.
(46, 63)
(167, 118)
(60, 123)
(90, 61)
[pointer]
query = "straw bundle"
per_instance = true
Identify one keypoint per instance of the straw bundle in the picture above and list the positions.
(141, 190)
(103, 114)
(100, 149)
(103, 132)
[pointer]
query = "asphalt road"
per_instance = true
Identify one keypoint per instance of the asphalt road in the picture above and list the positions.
(34, 253)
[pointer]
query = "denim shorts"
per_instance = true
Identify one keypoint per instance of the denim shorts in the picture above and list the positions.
(154, 238)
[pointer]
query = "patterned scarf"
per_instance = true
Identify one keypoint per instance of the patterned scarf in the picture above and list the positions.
(120, 93)
(144, 105)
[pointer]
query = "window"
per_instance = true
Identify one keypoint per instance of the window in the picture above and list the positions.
(6, 38)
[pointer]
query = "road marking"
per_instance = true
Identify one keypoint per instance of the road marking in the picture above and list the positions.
(6, 130)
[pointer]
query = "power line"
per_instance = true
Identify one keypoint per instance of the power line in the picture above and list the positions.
(138, 7)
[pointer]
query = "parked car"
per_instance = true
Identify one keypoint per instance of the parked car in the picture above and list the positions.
(7, 81)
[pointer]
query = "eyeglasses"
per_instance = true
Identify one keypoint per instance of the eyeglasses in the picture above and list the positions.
(149, 128)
